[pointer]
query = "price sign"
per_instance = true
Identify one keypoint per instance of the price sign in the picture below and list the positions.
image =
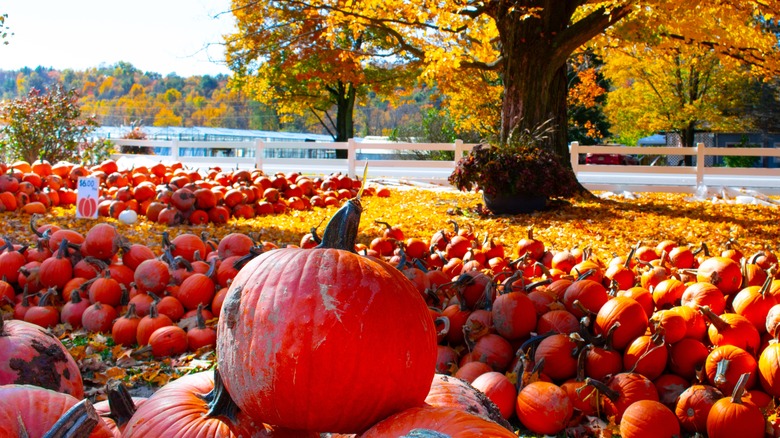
(87, 198)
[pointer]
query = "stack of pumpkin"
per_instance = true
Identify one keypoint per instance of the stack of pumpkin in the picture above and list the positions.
(172, 194)
(445, 334)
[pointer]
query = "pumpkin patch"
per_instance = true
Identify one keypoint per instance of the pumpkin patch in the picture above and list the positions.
(383, 325)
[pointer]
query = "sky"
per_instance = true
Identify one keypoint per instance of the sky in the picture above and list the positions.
(162, 36)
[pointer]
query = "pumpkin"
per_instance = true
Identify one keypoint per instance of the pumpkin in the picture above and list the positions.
(98, 317)
(289, 312)
(628, 313)
(497, 387)
(152, 276)
(431, 421)
(686, 356)
(73, 310)
(733, 416)
(646, 355)
(125, 327)
(168, 341)
(234, 244)
(669, 324)
(590, 294)
(33, 356)
(693, 406)
(201, 335)
(102, 242)
(105, 290)
(44, 314)
(58, 270)
(544, 408)
(649, 419)
(150, 323)
(732, 329)
(30, 411)
(185, 246)
(469, 371)
(668, 293)
(197, 405)
(723, 272)
(725, 365)
(514, 316)
(455, 393)
(754, 303)
(769, 369)
(622, 390)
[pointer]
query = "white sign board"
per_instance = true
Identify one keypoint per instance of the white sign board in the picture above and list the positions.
(87, 200)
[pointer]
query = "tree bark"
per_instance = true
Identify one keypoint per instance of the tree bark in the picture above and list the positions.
(687, 139)
(345, 108)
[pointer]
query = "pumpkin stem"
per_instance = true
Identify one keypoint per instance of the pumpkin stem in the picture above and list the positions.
(130, 314)
(610, 335)
(78, 421)
(62, 251)
(341, 231)
(602, 388)
(586, 274)
(243, 260)
(455, 226)
(739, 390)
(445, 322)
(212, 268)
(545, 270)
(720, 372)
(716, 320)
(44, 300)
(531, 286)
(119, 400)
(219, 400)
(199, 317)
(179, 260)
(33, 226)
(402, 257)
(509, 283)
(627, 263)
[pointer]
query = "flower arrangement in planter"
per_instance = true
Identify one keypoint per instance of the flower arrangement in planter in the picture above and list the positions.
(516, 171)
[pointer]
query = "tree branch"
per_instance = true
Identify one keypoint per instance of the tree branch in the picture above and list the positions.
(579, 33)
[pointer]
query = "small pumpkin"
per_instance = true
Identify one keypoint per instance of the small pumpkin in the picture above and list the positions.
(735, 416)
(544, 408)
(649, 419)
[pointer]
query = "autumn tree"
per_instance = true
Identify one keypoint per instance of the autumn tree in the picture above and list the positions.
(290, 55)
(528, 42)
(672, 86)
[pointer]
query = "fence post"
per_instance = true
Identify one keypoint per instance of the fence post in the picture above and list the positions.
(699, 164)
(259, 151)
(351, 155)
(175, 150)
(458, 150)
(574, 155)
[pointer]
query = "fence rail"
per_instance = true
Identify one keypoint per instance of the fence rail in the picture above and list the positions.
(678, 178)
(402, 162)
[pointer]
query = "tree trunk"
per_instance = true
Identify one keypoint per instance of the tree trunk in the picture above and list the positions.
(687, 139)
(345, 108)
(534, 95)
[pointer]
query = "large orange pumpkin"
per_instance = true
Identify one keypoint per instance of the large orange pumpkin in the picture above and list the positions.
(291, 311)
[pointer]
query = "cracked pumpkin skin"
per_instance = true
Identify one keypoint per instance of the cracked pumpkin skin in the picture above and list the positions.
(30, 355)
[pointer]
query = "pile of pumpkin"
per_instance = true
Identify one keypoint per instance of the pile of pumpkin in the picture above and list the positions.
(170, 193)
(402, 336)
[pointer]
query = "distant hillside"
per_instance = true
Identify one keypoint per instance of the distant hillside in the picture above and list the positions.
(122, 95)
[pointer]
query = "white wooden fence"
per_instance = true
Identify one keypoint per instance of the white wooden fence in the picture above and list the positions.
(652, 178)
(667, 178)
